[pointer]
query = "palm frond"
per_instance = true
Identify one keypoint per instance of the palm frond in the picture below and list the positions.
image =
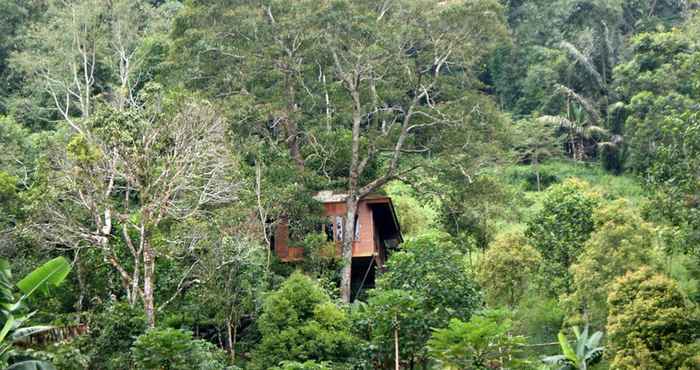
(589, 131)
(585, 103)
(585, 62)
(556, 120)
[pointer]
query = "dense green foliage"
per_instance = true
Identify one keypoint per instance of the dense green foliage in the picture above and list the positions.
(506, 269)
(175, 349)
(481, 343)
(542, 158)
(299, 323)
(560, 230)
(580, 355)
(650, 323)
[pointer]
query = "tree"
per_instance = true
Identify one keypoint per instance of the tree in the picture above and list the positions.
(298, 323)
(401, 47)
(393, 321)
(425, 284)
(507, 267)
(484, 342)
(651, 324)
(662, 126)
(379, 85)
(580, 125)
(231, 275)
(113, 333)
(435, 269)
(585, 353)
(129, 173)
(561, 228)
(80, 50)
(537, 140)
(174, 349)
(622, 242)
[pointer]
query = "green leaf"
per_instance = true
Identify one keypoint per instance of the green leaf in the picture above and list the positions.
(594, 340)
(9, 324)
(566, 348)
(554, 360)
(52, 273)
(581, 340)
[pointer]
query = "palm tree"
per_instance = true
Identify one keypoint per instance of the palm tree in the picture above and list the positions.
(587, 351)
(12, 318)
(580, 122)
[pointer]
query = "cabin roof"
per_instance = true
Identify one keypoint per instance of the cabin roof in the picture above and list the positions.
(329, 196)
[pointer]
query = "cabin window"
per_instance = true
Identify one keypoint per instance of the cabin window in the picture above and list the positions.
(338, 228)
(328, 228)
(357, 227)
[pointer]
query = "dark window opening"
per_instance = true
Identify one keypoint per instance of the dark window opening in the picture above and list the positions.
(357, 227)
(328, 228)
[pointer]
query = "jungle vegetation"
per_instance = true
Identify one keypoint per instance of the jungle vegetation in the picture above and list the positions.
(543, 157)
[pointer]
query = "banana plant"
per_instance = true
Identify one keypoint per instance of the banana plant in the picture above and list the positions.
(587, 351)
(12, 316)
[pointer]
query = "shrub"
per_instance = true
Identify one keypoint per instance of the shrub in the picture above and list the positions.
(416, 217)
(300, 323)
(539, 318)
(426, 284)
(650, 325)
(307, 365)
(113, 333)
(506, 268)
(484, 342)
(174, 349)
(392, 313)
(434, 268)
(560, 229)
(622, 242)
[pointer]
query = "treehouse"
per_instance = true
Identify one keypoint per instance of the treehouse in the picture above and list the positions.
(377, 233)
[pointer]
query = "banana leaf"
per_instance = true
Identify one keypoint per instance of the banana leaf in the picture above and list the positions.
(50, 274)
(32, 365)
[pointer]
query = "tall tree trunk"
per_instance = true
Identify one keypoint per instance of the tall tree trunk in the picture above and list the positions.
(346, 251)
(231, 334)
(291, 124)
(81, 281)
(397, 362)
(148, 283)
(536, 163)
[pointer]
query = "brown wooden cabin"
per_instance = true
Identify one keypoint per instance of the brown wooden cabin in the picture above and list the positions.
(377, 233)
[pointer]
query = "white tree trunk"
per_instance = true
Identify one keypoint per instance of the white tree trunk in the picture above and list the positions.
(346, 251)
(148, 284)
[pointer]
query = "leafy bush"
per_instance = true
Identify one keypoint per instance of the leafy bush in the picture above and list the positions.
(561, 228)
(426, 284)
(68, 356)
(306, 365)
(622, 242)
(300, 323)
(416, 217)
(527, 177)
(651, 325)
(392, 313)
(484, 342)
(506, 269)
(113, 333)
(435, 269)
(539, 318)
(174, 349)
